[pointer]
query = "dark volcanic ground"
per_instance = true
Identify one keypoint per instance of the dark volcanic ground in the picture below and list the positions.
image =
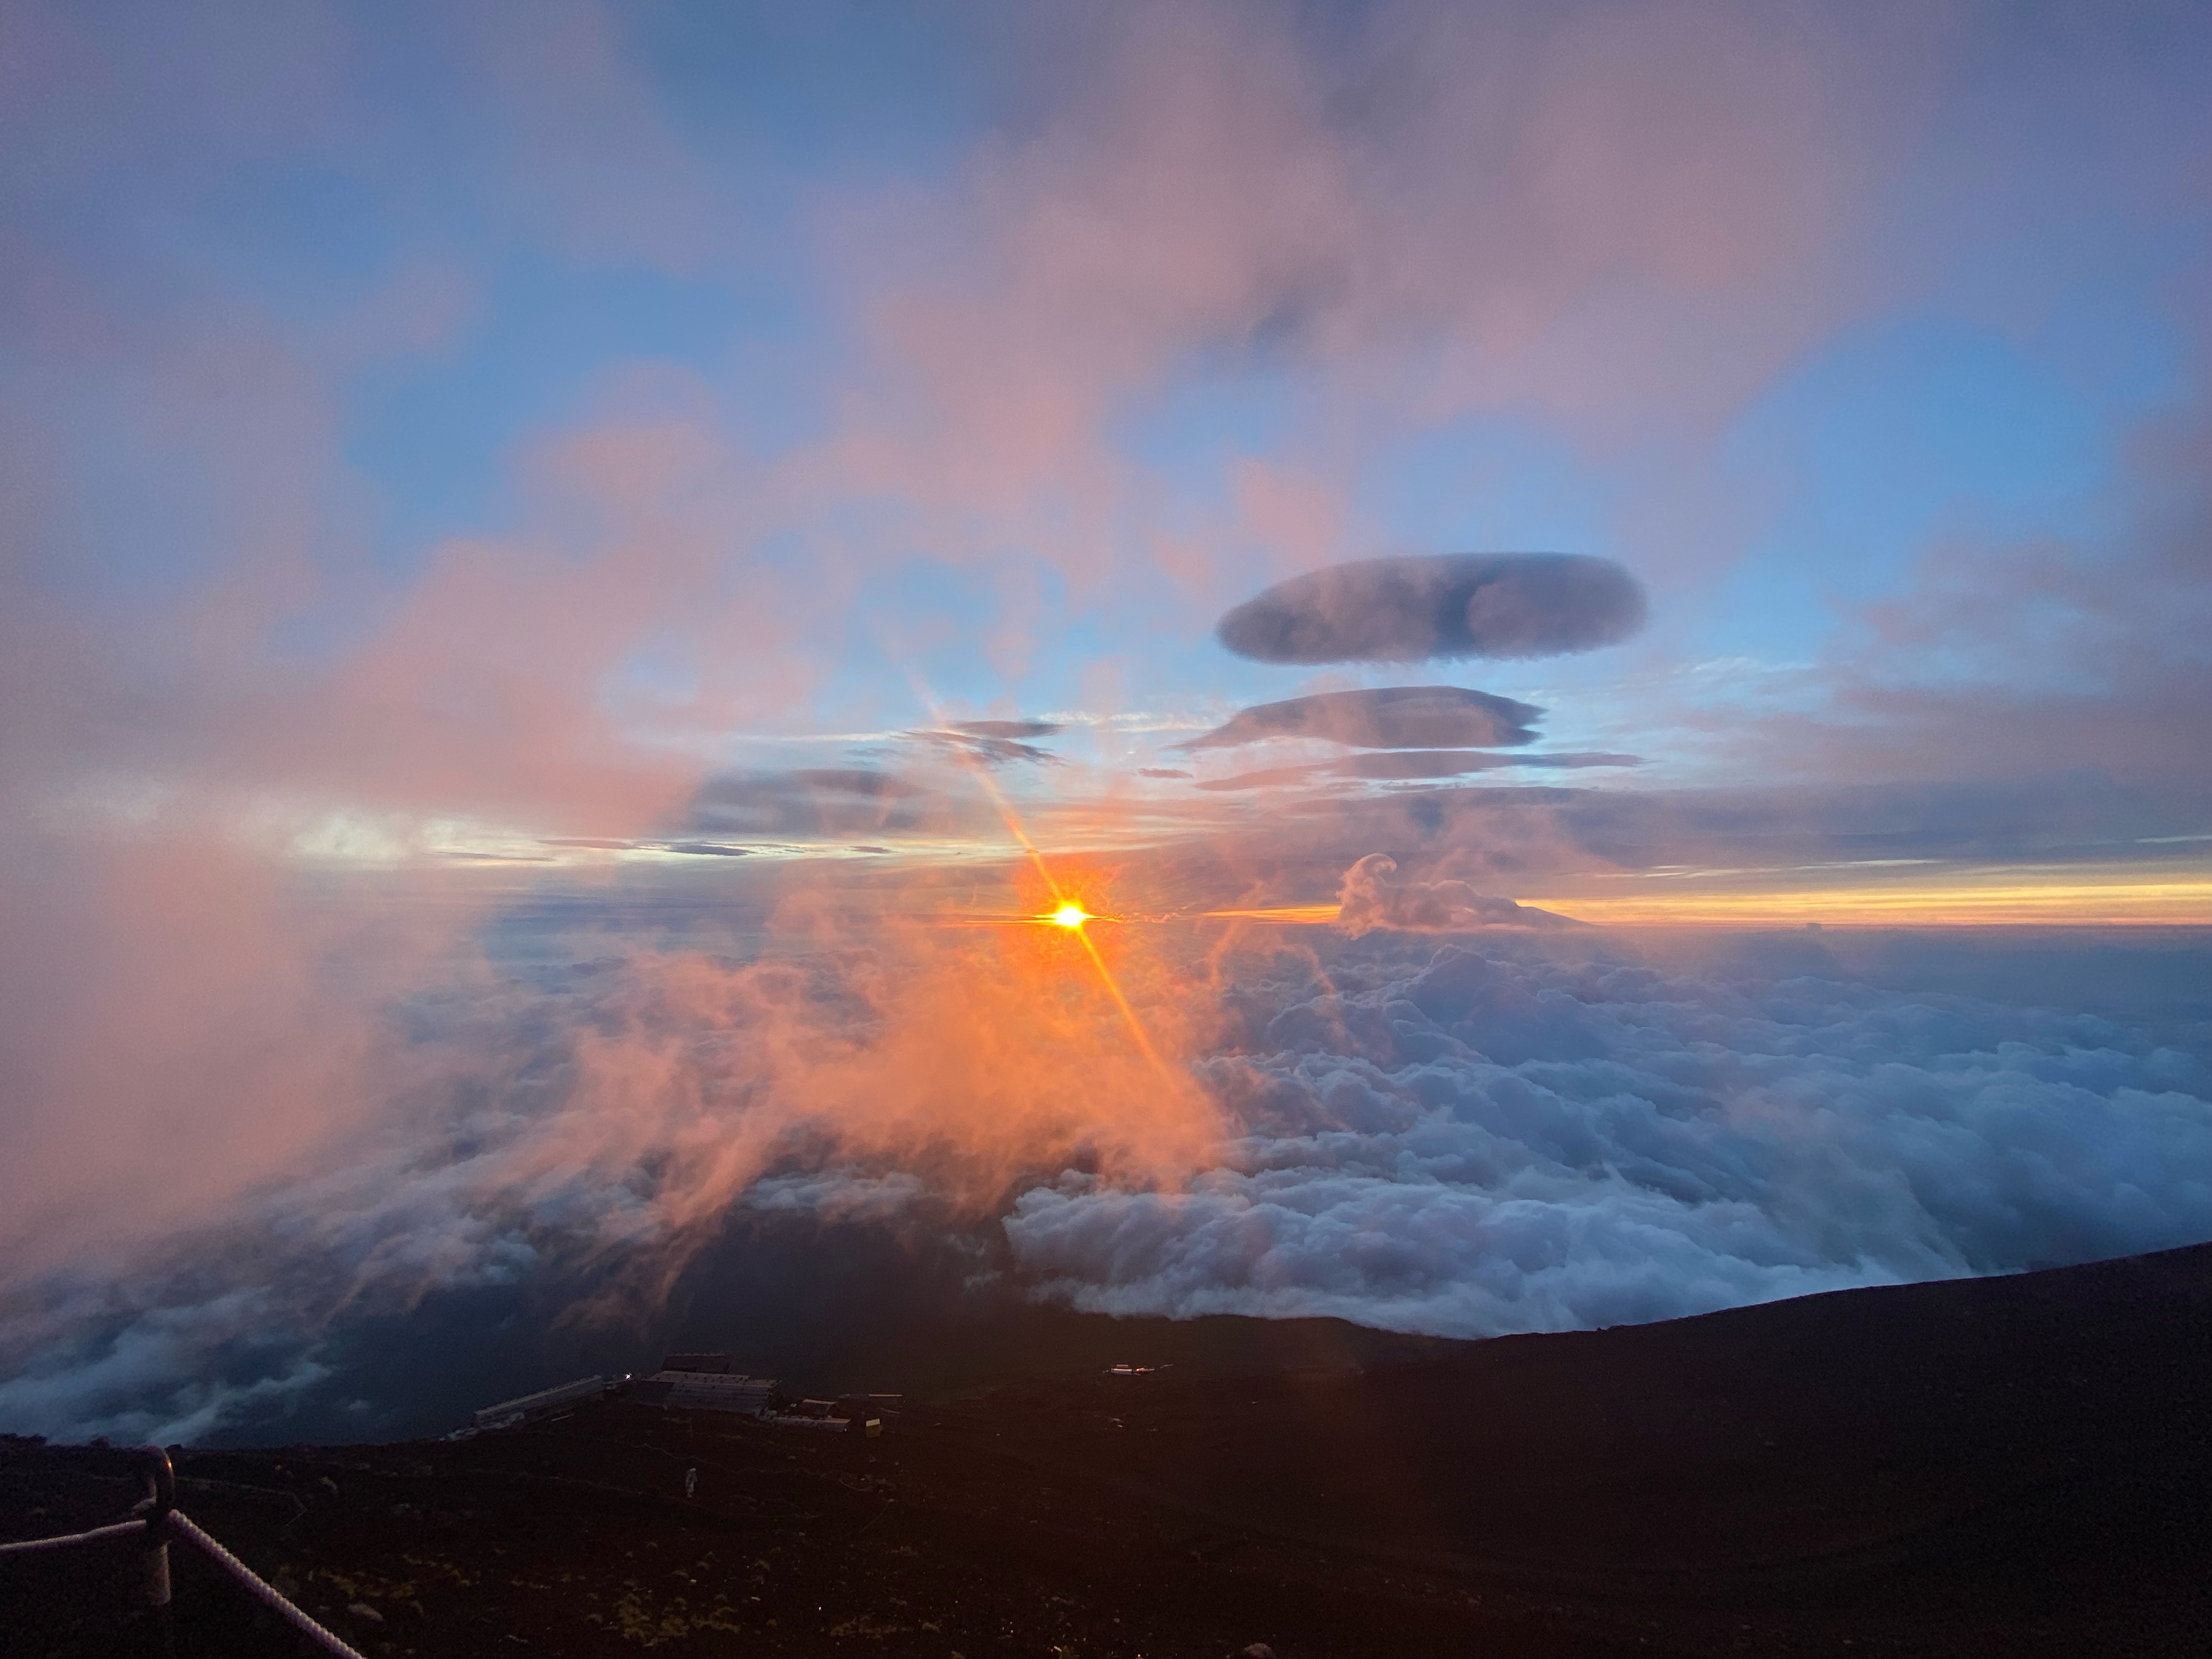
(2018, 1465)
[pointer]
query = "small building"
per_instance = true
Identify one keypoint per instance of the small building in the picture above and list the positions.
(704, 1382)
(675, 1389)
(826, 1416)
(545, 1403)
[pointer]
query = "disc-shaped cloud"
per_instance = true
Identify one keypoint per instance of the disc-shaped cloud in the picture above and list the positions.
(1022, 728)
(1393, 717)
(1452, 604)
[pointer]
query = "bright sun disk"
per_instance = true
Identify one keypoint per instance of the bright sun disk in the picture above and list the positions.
(1069, 916)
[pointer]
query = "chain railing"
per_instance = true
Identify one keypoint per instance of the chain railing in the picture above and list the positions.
(158, 1521)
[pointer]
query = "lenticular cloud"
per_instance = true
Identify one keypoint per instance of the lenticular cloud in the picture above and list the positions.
(1421, 607)
(1470, 1144)
(1387, 717)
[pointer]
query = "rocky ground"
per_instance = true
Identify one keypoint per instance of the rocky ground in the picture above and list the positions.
(2018, 1465)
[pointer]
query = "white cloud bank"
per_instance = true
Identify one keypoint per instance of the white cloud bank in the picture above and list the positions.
(1517, 1132)
(1466, 1146)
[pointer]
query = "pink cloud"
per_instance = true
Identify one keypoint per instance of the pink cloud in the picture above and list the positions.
(1626, 223)
(1370, 900)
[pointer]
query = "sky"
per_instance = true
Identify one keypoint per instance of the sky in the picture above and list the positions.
(1607, 606)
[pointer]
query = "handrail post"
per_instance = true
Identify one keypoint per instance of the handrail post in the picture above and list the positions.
(162, 1496)
(162, 1488)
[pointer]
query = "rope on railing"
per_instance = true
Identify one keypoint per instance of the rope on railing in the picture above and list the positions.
(266, 1593)
(69, 1539)
(163, 1518)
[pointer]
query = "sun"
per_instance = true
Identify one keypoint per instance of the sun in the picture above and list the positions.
(1070, 915)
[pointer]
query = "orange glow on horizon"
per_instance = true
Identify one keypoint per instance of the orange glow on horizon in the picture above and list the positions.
(2118, 895)
(1304, 914)
(1947, 905)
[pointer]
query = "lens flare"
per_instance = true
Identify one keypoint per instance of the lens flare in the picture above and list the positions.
(1065, 912)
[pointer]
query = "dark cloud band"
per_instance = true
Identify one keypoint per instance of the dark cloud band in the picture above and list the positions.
(994, 743)
(1391, 717)
(1405, 764)
(1022, 728)
(1420, 607)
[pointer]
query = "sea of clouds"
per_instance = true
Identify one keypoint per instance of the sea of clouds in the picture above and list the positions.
(1499, 1131)
(1464, 1140)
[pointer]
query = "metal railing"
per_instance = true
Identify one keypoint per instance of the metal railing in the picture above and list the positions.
(158, 1520)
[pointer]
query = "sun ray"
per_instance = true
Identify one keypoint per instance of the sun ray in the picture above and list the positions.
(1062, 903)
(1289, 913)
(1129, 1014)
